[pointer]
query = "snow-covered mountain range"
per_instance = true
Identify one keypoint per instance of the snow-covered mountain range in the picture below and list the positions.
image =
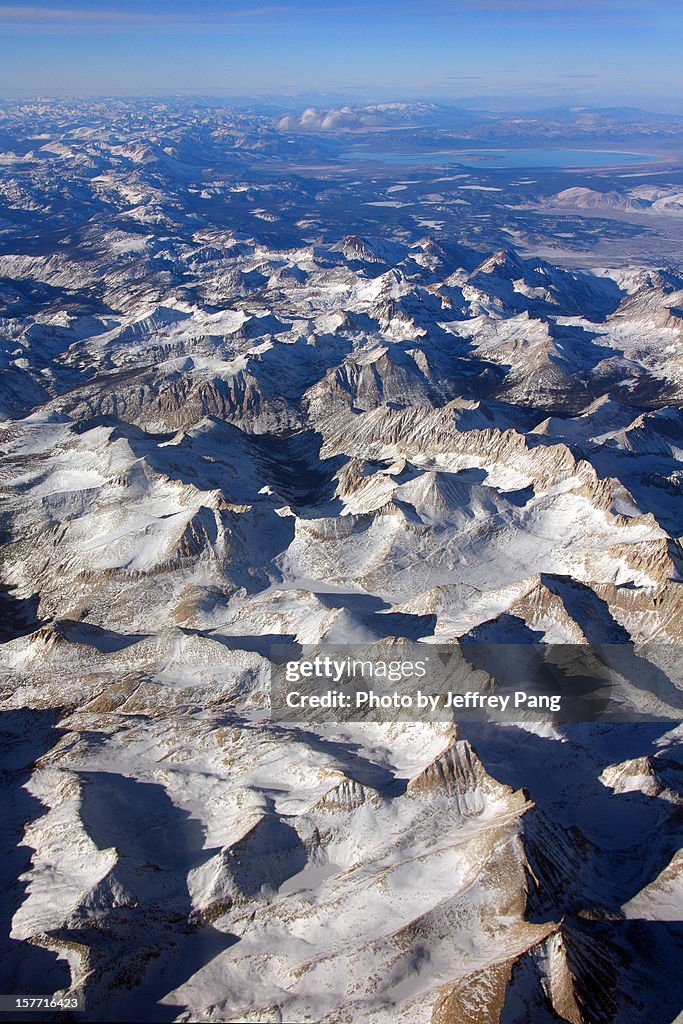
(227, 423)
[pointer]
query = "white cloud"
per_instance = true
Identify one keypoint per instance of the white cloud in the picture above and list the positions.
(339, 118)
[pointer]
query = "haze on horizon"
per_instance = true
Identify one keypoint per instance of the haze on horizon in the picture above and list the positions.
(520, 52)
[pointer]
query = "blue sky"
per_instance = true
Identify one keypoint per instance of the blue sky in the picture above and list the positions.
(524, 51)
